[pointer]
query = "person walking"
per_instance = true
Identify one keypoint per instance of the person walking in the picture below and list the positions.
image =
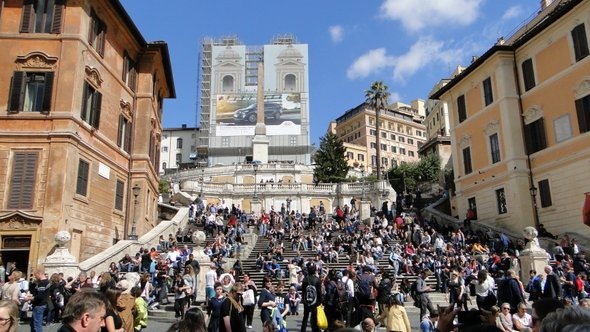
(39, 298)
(422, 291)
(394, 316)
(312, 298)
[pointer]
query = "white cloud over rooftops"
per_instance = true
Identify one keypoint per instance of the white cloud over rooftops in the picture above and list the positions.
(416, 15)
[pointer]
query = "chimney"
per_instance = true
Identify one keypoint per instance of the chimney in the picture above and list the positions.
(183, 126)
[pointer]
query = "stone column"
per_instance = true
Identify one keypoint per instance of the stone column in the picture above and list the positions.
(532, 257)
(61, 260)
(365, 210)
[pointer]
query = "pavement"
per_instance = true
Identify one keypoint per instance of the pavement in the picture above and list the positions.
(293, 322)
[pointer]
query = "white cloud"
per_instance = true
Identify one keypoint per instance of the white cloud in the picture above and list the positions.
(417, 15)
(424, 52)
(512, 12)
(336, 33)
(369, 63)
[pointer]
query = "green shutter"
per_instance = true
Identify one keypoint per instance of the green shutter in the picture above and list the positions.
(17, 91)
(26, 24)
(22, 185)
(47, 93)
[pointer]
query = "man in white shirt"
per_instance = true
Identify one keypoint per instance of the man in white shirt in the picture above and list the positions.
(347, 312)
(210, 279)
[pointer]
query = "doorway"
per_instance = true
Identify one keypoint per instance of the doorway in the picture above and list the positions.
(17, 249)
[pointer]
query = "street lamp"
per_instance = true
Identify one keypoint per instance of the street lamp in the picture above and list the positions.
(363, 189)
(133, 235)
(202, 182)
(533, 192)
(255, 166)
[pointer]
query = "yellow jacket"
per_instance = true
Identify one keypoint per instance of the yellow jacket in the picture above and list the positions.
(397, 318)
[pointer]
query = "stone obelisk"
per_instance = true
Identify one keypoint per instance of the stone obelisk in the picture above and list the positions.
(260, 142)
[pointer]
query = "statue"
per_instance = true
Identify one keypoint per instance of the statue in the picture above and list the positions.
(530, 233)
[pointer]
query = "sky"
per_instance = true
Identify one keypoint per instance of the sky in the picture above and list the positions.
(408, 44)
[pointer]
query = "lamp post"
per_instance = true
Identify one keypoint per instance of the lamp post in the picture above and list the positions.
(533, 192)
(255, 166)
(202, 182)
(133, 234)
(363, 188)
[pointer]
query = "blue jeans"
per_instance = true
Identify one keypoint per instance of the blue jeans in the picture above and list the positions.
(37, 321)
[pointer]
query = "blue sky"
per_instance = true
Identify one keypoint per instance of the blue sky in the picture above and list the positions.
(408, 44)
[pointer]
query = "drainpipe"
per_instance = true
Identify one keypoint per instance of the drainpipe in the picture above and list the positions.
(532, 188)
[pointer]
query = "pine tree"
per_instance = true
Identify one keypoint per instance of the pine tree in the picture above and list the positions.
(331, 165)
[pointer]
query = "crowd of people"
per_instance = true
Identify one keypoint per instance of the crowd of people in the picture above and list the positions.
(357, 271)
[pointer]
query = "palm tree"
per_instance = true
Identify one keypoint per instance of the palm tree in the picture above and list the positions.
(376, 98)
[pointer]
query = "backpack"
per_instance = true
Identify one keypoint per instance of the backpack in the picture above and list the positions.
(364, 287)
(579, 284)
(414, 290)
(341, 291)
(331, 297)
(311, 295)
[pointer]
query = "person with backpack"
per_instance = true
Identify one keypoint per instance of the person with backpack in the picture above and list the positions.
(332, 297)
(312, 298)
(364, 294)
(349, 281)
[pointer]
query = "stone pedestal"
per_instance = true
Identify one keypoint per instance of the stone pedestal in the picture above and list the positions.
(260, 148)
(365, 209)
(204, 262)
(61, 261)
(256, 205)
(532, 260)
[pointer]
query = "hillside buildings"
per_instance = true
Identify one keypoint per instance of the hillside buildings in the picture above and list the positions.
(81, 103)
(402, 134)
(228, 92)
(520, 124)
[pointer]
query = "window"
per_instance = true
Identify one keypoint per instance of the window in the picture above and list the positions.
(178, 158)
(528, 74)
(164, 149)
(91, 104)
(545, 193)
(97, 33)
(461, 108)
(372, 132)
(23, 179)
(580, 42)
(290, 82)
(360, 157)
(119, 195)
(583, 112)
(384, 135)
(82, 181)
(292, 140)
(402, 151)
(467, 160)
(393, 137)
(472, 205)
(179, 143)
(394, 149)
(402, 139)
(384, 161)
(31, 92)
(534, 134)
(42, 16)
(501, 201)
(383, 147)
(350, 155)
(410, 141)
(129, 72)
(410, 153)
(494, 148)
(393, 163)
(225, 142)
(373, 145)
(124, 134)
(373, 160)
(488, 95)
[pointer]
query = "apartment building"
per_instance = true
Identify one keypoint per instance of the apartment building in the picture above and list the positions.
(81, 101)
(520, 124)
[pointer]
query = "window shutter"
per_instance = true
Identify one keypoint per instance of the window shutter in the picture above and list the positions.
(541, 134)
(22, 186)
(17, 91)
(58, 9)
(582, 120)
(96, 104)
(83, 114)
(102, 31)
(127, 142)
(82, 182)
(119, 195)
(133, 78)
(92, 30)
(124, 74)
(27, 19)
(120, 142)
(48, 92)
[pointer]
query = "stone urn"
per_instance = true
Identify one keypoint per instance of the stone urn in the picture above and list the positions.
(61, 238)
(199, 238)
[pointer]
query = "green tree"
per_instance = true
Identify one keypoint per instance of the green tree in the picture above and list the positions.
(408, 176)
(331, 165)
(376, 98)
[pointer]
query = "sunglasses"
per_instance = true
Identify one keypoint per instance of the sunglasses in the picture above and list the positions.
(506, 308)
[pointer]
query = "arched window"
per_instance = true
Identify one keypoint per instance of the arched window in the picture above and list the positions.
(290, 82)
(164, 165)
(228, 83)
(179, 143)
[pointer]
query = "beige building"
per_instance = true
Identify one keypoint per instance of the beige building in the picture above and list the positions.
(81, 97)
(402, 134)
(520, 123)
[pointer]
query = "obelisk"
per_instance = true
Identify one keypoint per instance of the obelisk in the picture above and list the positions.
(260, 142)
